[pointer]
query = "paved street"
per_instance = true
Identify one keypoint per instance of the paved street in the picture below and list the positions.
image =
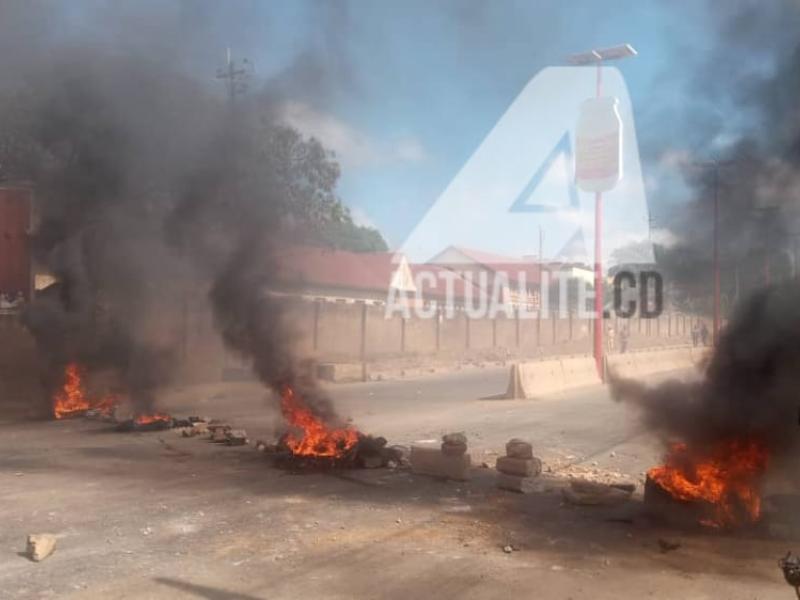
(154, 515)
(574, 426)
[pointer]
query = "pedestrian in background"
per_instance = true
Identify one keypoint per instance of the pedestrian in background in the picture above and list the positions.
(704, 334)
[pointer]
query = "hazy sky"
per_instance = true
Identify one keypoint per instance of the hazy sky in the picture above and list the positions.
(404, 92)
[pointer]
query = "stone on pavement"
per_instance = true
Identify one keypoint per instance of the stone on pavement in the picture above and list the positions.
(40, 546)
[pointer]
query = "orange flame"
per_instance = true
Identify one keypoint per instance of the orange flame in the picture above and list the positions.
(154, 418)
(317, 439)
(70, 400)
(106, 405)
(727, 478)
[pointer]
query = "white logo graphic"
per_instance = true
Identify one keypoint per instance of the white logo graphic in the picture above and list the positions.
(522, 178)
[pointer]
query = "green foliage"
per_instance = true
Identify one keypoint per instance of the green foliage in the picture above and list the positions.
(308, 174)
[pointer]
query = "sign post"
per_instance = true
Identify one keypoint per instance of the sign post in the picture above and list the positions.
(598, 168)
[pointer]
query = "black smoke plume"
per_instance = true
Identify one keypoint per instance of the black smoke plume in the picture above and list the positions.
(749, 390)
(105, 137)
(741, 111)
(262, 187)
(152, 186)
(745, 116)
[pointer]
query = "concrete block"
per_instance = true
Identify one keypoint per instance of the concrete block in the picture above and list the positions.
(579, 371)
(431, 461)
(536, 378)
(454, 438)
(517, 448)
(454, 449)
(514, 483)
(521, 467)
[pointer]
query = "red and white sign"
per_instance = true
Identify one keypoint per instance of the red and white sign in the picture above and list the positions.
(598, 145)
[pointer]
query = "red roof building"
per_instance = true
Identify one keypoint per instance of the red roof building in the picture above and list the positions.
(341, 275)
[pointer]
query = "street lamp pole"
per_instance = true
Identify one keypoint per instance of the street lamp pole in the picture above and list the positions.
(716, 255)
(598, 57)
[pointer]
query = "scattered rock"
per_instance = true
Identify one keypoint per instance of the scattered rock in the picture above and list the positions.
(508, 549)
(40, 546)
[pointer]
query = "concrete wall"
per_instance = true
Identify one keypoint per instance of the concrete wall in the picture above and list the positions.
(338, 329)
(354, 332)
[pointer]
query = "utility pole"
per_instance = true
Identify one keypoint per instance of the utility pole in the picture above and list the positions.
(236, 78)
(714, 166)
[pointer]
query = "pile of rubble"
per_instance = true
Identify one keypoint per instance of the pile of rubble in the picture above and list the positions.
(219, 433)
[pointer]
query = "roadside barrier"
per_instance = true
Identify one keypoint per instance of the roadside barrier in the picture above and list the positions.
(532, 379)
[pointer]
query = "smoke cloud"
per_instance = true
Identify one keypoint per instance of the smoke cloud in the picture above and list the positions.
(750, 387)
(151, 186)
(743, 114)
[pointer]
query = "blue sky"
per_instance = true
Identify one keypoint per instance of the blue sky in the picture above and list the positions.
(404, 92)
(427, 81)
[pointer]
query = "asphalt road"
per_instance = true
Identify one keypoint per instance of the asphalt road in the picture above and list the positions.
(578, 426)
(154, 515)
(582, 426)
